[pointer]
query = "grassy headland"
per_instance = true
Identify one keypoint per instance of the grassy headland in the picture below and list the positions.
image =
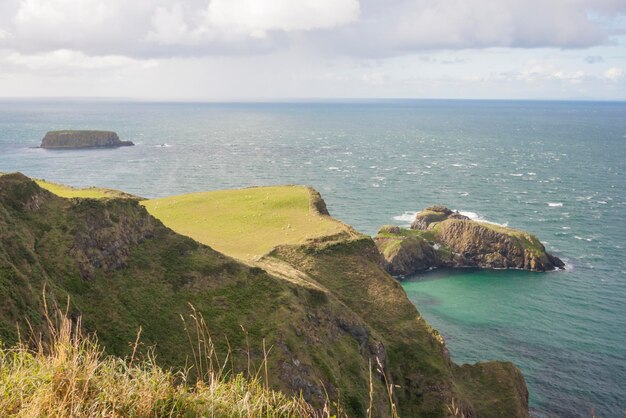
(245, 223)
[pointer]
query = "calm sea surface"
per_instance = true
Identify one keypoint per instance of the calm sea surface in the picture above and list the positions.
(556, 169)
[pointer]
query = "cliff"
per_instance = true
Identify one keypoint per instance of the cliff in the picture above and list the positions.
(83, 139)
(328, 311)
(441, 238)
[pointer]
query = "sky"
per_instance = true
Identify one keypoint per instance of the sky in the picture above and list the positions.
(313, 49)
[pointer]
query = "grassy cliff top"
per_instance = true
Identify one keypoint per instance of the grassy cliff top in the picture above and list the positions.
(246, 223)
(85, 193)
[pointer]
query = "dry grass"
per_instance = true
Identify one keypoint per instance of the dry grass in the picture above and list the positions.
(68, 375)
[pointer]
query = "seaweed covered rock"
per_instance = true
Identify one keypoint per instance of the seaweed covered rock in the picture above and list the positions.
(83, 139)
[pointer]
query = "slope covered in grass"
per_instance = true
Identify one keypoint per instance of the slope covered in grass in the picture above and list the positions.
(246, 223)
(85, 193)
(330, 322)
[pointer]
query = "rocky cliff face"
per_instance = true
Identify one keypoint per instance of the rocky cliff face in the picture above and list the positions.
(83, 139)
(441, 238)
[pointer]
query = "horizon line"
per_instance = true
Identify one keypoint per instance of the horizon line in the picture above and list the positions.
(261, 100)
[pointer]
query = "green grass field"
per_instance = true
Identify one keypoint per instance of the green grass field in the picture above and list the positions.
(86, 193)
(246, 223)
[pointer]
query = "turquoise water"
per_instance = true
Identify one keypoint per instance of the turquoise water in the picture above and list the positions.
(554, 168)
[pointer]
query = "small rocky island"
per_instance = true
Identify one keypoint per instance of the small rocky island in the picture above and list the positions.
(82, 139)
(439, 237)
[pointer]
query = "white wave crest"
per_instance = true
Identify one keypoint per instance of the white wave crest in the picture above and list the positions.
(407, 217)
(555, 205)
(478, 218)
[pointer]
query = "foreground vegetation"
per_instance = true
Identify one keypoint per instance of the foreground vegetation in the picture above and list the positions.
(70, 376)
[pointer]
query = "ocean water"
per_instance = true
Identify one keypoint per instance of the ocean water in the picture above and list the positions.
(556, 169)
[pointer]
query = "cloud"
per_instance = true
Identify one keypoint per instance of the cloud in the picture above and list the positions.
(614, 74)
(550, 73)
(595, 59)
(157, 28)
(236, 22)
(399, 26)
(64, 61)
(255, 18)
(92, 26)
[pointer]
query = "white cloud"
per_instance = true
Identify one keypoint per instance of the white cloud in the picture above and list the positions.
(109, 26)
(290, 48)
(63, 59)
(400, 26)
(169, 25)
(236, 19)
(353, 27)
(256, 18)
(614, 74)
(546, 72)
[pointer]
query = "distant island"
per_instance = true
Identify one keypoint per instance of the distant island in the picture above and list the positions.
(82, 139)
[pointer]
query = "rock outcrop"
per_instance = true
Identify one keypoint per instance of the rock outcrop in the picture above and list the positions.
(440, 237)
(83, 139)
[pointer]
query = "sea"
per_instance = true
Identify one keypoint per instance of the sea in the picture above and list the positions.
(556, 169)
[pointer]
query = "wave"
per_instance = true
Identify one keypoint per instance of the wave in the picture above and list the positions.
(569, 266)
(407, 217)
(478, 218)
(555, 205)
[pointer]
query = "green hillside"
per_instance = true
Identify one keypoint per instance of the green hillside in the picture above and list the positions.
(324, 310)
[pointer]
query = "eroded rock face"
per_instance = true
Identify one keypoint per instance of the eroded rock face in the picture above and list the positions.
(476, 244)
(110, 230)
(440, 237)
(82, 139)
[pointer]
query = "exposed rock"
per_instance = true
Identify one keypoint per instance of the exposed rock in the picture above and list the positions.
(440, 237)
(83, 139)
(317, 203)
(109, 231)
(404, 255)
(432, 214)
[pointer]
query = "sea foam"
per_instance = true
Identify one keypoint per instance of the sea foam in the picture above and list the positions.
(478, 218)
